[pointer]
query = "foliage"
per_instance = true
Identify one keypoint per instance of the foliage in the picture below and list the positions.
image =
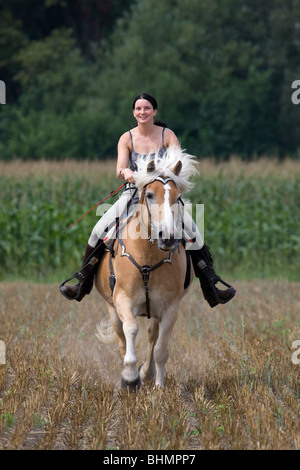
(222, 75)
(221, 71)
(251, 223)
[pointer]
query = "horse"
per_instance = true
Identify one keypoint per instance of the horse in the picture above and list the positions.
(149, 266)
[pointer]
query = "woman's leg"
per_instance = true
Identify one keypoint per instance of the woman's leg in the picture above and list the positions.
(108, 220)
(191, 233)
(94, 250)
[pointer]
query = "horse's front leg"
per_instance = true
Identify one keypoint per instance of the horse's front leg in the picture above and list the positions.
(118, 328)
(161, 352)
(130, 374)
(147, 371)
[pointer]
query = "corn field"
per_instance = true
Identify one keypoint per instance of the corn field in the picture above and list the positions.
(251, 218)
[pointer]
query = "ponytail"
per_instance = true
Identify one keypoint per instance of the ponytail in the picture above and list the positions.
(158, 122)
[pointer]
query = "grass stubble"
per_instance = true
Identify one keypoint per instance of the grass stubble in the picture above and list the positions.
(230, 383)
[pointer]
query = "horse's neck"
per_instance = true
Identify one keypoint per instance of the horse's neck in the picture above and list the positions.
(141, 245)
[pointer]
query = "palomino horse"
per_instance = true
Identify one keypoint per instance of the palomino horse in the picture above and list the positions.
(149, 269)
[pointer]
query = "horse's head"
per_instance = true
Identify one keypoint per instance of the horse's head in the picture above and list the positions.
(162, 200)
(161, 182)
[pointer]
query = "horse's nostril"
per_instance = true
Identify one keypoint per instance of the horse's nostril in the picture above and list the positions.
(168, 241)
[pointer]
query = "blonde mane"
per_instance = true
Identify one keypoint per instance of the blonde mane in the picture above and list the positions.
(164, 166)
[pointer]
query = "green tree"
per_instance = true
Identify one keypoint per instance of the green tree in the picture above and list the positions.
(221, 69)
(47, 60)
(11, 39)
(34, 20)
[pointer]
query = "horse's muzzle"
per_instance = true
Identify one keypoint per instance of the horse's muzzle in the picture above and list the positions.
(166, 244)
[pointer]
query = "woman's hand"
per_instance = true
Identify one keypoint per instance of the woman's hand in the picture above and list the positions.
(127, 173)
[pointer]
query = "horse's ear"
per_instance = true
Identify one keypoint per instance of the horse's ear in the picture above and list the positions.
(150, 166)
(177, 168)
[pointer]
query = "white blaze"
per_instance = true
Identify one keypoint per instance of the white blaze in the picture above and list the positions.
(167, 211)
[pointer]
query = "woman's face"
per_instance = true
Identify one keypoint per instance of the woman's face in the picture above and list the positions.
(143, 111)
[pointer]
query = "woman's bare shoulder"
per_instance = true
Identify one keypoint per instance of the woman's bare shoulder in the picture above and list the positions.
(170, 137)
(125, 138)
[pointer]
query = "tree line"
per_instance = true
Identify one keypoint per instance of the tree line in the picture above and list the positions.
(221, 71)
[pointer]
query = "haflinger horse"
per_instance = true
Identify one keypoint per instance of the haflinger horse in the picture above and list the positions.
(149, 266)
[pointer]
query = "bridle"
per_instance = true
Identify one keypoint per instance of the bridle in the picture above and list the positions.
(145, 270)
(164, 181)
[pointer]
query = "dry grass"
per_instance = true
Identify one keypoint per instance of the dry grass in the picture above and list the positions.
(93, 170)
(231, 383)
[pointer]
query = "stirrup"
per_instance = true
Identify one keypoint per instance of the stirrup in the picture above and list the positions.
(79, 287)
(212, 278)
(81, 276)
(214, 298)
(230, 295)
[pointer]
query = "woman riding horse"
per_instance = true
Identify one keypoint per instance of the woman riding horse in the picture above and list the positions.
(148, 136)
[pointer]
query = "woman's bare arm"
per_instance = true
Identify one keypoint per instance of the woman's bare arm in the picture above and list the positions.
(122, 170)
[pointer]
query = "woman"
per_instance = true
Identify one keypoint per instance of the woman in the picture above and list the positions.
(147, 137)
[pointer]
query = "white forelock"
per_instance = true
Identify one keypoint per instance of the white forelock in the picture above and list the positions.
(164, 166)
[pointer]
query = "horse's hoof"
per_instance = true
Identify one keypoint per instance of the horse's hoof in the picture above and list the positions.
(131, 387)
(147, 378)
(139, 369)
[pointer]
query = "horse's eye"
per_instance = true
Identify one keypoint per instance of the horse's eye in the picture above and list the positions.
(149, 196)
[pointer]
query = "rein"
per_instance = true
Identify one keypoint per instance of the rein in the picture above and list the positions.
(112, 193)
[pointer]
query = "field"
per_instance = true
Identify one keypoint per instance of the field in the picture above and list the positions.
(232, 379)
(231, 382)
(251, 215)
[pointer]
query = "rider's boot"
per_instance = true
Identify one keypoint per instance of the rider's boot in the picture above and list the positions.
(203, 267)
(91, 259)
